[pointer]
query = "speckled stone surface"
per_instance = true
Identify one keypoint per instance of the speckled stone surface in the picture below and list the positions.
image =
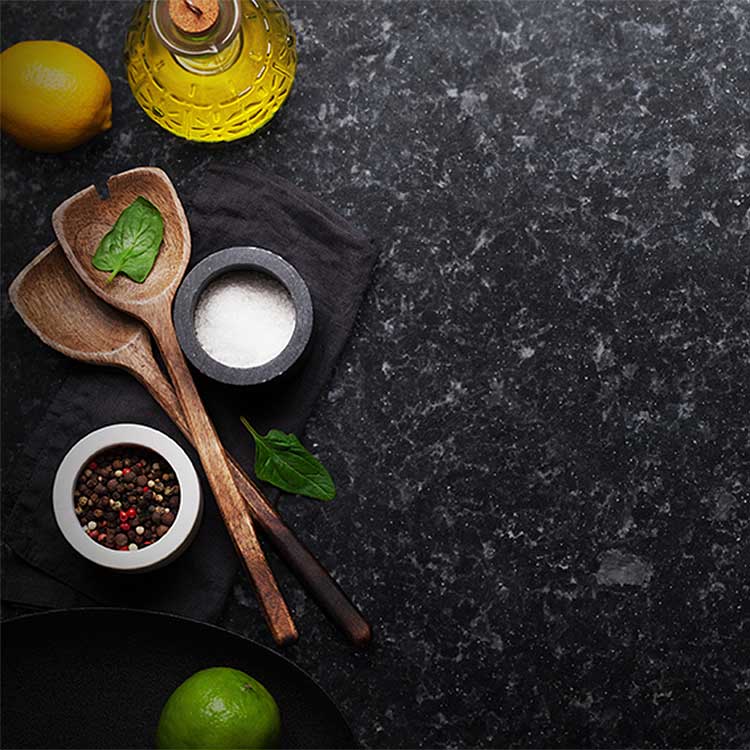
(540, 427)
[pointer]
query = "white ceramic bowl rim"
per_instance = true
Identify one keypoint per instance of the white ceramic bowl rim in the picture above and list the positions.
(126, 434)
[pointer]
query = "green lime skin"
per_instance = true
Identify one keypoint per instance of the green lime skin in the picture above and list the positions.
(219, 708)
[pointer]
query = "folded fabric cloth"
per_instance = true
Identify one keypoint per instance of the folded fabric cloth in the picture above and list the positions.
(232, 207)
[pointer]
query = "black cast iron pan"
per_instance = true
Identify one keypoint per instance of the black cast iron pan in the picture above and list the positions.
(98, 678)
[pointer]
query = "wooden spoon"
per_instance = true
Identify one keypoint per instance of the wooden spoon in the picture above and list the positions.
(80, 223)
(56, 305)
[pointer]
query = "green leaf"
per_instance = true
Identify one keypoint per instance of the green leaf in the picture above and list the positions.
(131, 246)
(281, 460)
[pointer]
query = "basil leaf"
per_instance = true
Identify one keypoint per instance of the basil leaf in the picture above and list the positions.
(131, 246)
(281, 460)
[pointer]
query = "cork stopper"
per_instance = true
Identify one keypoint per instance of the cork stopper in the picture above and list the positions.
(193, 16)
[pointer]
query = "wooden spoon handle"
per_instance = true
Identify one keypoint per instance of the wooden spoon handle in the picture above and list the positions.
(326, 592)
(316, 579)
(228, 498)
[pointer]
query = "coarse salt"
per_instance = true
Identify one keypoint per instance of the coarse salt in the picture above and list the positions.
(244, 319)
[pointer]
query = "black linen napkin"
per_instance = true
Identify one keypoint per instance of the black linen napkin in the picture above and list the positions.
(230, 207)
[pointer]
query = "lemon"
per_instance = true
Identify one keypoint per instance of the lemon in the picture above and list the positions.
(53, 96)
(219, 708)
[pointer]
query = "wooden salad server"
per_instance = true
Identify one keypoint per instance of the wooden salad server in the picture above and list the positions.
(56, 305)
(80, 223)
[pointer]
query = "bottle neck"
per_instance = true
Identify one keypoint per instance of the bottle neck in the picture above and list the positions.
(207, 52)
(211, 62)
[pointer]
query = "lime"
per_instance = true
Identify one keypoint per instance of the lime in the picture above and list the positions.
(219, 708)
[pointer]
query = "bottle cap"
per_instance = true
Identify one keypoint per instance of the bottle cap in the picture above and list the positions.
(193, 16)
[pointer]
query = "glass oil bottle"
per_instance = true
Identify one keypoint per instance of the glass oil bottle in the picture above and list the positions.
(211, 70)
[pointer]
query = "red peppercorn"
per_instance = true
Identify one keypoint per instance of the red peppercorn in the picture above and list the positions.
(145, 544)
(126, 470)
(123, 515)
(92, 465)
(131, 512)
(122, 549)
(125, 526)
(144, 489)
(102, 537)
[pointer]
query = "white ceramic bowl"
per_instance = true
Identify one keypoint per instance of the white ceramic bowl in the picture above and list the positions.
(187, 520)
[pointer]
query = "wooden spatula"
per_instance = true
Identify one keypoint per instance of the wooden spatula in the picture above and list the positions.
(57, 306)
(80, 223)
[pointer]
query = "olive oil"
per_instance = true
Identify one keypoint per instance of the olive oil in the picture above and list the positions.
(214, 84)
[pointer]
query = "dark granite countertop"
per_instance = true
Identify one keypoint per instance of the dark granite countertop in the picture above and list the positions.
(540, 425)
